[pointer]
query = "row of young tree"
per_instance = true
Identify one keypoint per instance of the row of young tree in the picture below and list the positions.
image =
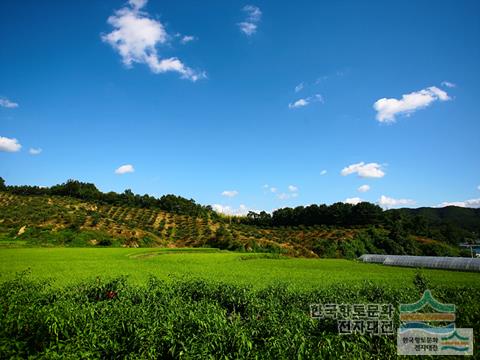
(450, 228)
(89, 192)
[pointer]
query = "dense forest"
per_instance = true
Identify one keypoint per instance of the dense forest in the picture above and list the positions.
(128, 219)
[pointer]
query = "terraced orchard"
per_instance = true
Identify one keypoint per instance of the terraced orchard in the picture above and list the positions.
(43, 220)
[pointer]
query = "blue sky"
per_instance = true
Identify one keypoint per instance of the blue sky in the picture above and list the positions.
(255, 100)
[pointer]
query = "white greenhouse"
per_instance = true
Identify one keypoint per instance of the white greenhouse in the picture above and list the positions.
(434, 262)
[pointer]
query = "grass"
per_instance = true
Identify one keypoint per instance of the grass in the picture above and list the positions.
(202, 303)
(68, 266)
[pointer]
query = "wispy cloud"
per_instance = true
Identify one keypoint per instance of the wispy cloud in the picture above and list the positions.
(35, 151)
(472, 203)
(125, 169)
(136, 37)
(364, 188)
(448, 84)
(299, 87)
(370, 170)
(9, 144)
(305, 101)
(388, 202)
(230, 193)
(323, 172)
(286, 196)
(338, 73)
(388, 109)
(6, 103)
(250, 24)
(187, 38)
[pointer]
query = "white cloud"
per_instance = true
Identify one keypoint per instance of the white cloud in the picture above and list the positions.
(370, 170)
(353, 201)
(9, 145)
(363, 188)
(230, 193)
(124, 169)
(323, 172)
(292, 188)
(305, 101)
(298, 103)
(247, 28)
(137, 4)
(387, 109)
(228, 210)
(4, 102)
(388, 202)
(250, 24)
(136, 37)
(478, 187)
(299, 87)
(448, 84)
(35, 151)
(187, 39)
(472, 203)
(273, 189)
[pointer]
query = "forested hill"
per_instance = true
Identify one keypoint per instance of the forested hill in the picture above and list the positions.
(466, 218)
(78, 214)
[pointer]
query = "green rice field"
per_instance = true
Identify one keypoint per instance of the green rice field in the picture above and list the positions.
(67, 266)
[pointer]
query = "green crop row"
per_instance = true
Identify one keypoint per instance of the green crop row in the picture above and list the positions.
(190, 318)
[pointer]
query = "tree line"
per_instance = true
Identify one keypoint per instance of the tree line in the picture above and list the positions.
(399, 222)
(89, 192)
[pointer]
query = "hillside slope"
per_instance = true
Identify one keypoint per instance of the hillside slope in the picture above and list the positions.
(64, 221)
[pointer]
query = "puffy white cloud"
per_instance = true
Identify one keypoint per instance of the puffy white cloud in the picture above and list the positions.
(448, 84)
(228, 210)
(305, 101)
(230, 193)
(299, 87)
(323, 172)
(4, 102)
(273, 189)
(370, 170)
(9, 145)
(353, 201)
(388, 202)
(136, 37)
(387, 109)
(124, 169)
(292, 188)
(35, 151)
(250, 24)
(363, 188)
(472, 203)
